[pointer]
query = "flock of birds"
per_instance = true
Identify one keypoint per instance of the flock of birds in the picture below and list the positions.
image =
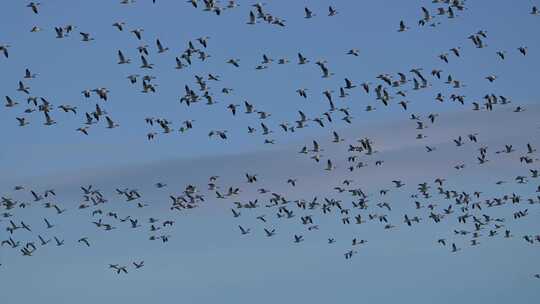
(471, 210)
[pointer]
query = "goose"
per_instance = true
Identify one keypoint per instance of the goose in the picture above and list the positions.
(28, 74)
(110, 123)
(243, 230)
(58, 242)
(58, 210)
(302, 92)
(145, 64)
(328, 95)
(337, 138)
(138, 265)
(132, 78)
(491, 78)
(329, 165)
(252, 19)
(302, 59)
(270, 233)
(263, 115)
(349, 84)
(233, 108)
(426, 15)
(324, 69)
(292, 182)
(86, 93)
(69, 28)
(86, 37)
(356, 242)
(530, 149)
(213, 77)
(283, 61)
(403, 104)
(308, 13)
(48, 120)
(23, 88)
(402, 26)
(523, 50)
(143, 49)
(68, 108)
(456, 51)
(332, 11)
(101, 92)
(298, 238)
(26, 252)
(34, 6)
(43, 241)
(266, 130)
(22, 121)
(179, 64)
(123, 60)
(266, 60)
(160, 47)
(59, 32)
(203, 41)
(354, 52)
(398, 183)
(349, 254)
(121, 269)
(534, 11)
(234, 62)
(119, 25)
(232, 4)
(85, 241)
(83, 130)
(436, 73)
(138, 33)
(444, 57)
(519, 109)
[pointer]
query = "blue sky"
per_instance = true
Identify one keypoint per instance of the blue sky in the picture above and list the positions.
(207, 260)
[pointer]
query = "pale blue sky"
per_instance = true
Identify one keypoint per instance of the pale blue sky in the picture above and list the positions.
(207, 260)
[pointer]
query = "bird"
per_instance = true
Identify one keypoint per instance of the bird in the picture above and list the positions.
(145, 64)
(332, 11)
(85, 241)
(234, 62)
(138, 33)
(160, 47)
(23, 88)
(22, 121)
(329, 165)
(119, 25)
(83, 130)
(123, 60)
(270, 233)
(86, 37)
(402, 26)
(34, 6)
(28, 74)
(49, 225)
(244, 230)
(308, 13)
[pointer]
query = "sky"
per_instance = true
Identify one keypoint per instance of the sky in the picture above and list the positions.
(207, 260)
